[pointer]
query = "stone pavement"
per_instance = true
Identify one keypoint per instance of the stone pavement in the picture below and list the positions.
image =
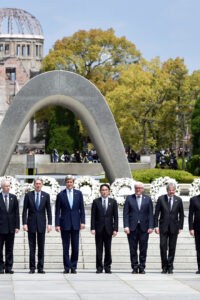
(87, 285)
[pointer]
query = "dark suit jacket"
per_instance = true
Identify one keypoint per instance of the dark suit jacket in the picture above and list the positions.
(66, 217)
(109, 221)
(9, 221)
(36, 219)
(132, 214)
(194, 213)
(169, 219)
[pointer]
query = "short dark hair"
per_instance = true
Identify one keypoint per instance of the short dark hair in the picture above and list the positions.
(106, 185)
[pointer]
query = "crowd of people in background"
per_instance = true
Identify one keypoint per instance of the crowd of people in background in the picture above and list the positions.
(86, 156)
(164, 158)
(167, 158)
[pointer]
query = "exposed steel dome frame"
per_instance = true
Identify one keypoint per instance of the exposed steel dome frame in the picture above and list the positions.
(20, 19)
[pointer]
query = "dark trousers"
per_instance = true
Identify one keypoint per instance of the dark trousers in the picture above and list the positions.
(197, 243)
(167, 244)
(103, 239)
(70, 236)
(32, 248)
(8, 240)
(135, 238)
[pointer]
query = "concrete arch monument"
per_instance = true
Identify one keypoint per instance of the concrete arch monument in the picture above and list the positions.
(79, 95)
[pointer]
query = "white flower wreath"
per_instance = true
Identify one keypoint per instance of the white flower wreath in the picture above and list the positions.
(50, 186)
(158, 187)
(89, 188)
(15, 186)
(194, 187)
(121, 188)
(28, 187)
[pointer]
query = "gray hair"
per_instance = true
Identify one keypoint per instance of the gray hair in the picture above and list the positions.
(38, 178)
(69, 177)
(170, 184)
(3, 182)
(138, 183)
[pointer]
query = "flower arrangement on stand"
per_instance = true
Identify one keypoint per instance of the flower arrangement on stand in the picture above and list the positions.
(15, 186)
(158, 187)
(28, 187)
(50, 186)
(89, 188)
(121, 188)
(194, 187)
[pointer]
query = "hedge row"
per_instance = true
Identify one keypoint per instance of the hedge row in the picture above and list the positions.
(147, 176)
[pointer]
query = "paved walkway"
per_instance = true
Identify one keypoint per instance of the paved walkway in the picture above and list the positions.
(87, 285)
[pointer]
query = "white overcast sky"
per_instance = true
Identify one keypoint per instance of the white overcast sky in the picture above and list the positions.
(164, 28)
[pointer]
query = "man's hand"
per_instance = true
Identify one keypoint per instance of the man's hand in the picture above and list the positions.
(179, 231)
(114, 233)
(127, 230)
(25, 227)
(192, 232)
(150, 230)
(16, 230)
(49, 228)
(157, 230)
(93, 232)
(82, 226)
(58, 228)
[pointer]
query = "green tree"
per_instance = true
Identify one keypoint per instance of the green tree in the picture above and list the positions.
(94, 54)
(136, 101)
(63, 132)
(195, 127)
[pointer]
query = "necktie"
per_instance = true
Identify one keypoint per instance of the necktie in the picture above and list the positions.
(70, 199)
(37, 201)
(6, 202)
(104, 205)
(170, 203)
(139, 202)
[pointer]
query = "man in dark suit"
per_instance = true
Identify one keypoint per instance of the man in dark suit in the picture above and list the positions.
(138, 224)
(9, 225)
(36, 205)
(169, 215)
(104, 225)
(194, 225)
(70, 218)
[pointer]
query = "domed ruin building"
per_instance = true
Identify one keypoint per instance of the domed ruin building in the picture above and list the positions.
(21, 52)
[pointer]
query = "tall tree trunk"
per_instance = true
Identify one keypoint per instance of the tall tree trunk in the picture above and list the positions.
(144, 136)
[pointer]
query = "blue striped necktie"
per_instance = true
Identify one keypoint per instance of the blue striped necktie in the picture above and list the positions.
(37, 201)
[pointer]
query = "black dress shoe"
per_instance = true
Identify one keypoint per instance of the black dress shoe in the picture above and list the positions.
(164, 271)
(135, 271)
(170, 271)
(9, 271)
(98, 271)
(198, 272)
(73, 271)
(41, 271)
(66, 272)
(142, 272)
(31, 271)
(108, 271)
(1, 271)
